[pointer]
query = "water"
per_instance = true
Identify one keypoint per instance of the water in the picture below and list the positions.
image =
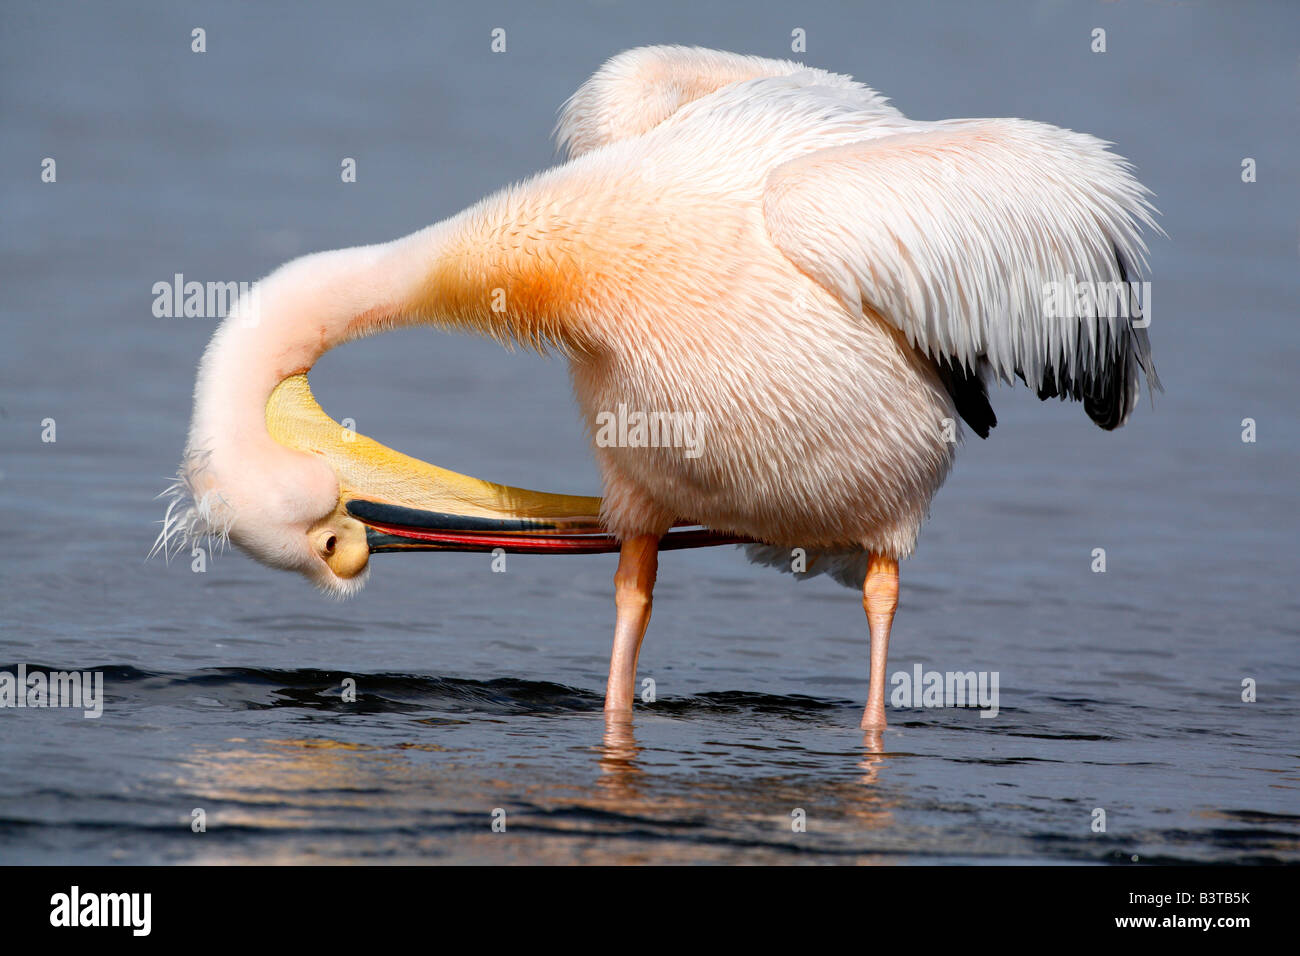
(481, 692)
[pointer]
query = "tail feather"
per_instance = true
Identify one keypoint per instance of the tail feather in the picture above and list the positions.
(848, 567)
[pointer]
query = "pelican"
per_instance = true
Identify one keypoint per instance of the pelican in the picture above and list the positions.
(821, 285)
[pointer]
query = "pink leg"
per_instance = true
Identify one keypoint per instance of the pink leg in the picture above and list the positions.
(634, 583)
(879, 599)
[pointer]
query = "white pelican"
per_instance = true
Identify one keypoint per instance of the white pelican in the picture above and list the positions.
(824, 283)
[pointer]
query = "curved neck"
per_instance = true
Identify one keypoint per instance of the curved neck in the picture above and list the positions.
(476, 271)
(293, 317)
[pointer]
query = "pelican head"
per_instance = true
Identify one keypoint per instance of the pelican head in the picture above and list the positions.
(321, 498)
(282, 508)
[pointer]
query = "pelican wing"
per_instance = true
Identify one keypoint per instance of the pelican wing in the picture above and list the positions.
(638, 89)
(973, 238)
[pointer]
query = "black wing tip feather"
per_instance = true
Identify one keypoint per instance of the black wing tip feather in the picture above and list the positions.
(969, 394)
(1108, 384)
(1111, 384)
(1109, 390)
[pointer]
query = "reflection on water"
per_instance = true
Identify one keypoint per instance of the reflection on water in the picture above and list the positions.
(421, 772)
(313, 800)
(327, 797)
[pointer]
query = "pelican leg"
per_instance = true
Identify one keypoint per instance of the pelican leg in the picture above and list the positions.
(634, 583)
(879, 599)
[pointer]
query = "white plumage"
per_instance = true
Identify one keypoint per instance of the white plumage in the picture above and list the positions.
(947, 230)
(771, 248)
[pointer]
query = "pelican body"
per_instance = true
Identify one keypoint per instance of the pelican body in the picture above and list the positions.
(826, 285)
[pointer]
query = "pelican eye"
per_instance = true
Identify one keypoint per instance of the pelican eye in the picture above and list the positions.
(327, 542)
(340, 541)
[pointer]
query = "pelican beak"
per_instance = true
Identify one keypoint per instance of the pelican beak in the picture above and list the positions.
(409, 505)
